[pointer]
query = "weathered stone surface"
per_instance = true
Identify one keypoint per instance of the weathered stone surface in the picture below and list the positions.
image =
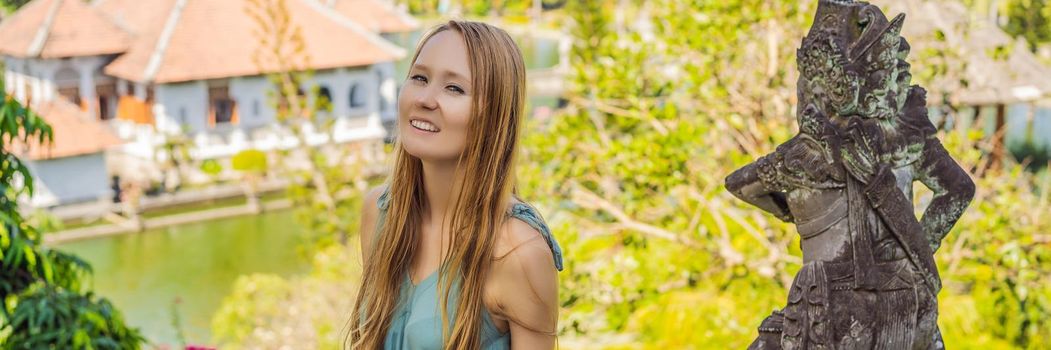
(869, 280)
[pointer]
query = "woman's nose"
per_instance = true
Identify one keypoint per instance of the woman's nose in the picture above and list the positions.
(426, 98)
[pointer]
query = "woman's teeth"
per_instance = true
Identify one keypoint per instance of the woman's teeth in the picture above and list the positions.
(422, 125)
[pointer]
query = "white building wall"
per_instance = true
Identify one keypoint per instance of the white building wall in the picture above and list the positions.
(87, 85)
(187, 104)
(36, 77)
(255, 108)
(18, 70)
(9, 78)
(254, 105)
(69, 180)
(181, 104)
(388, 91)
(340, 81)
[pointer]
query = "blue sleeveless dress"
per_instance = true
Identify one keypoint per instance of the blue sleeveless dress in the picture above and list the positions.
(417, 318)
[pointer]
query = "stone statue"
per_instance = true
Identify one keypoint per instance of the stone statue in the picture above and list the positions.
(868, 279)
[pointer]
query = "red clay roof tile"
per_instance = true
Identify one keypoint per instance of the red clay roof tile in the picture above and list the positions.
(61, 28)
(376, 15)
(218, 39)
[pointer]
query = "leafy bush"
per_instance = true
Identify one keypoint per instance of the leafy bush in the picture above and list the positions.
(249, 161)
(308, 312)
(44, 305)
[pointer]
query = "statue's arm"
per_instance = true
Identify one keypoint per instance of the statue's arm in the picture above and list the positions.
(745, 183)
(953, 190)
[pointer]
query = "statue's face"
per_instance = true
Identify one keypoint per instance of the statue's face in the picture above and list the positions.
(852, 61)
(825, 80)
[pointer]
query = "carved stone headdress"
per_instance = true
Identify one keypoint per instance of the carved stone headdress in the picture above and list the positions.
(852, 62)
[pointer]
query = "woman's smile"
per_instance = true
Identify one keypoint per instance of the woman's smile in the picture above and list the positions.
(424, 126)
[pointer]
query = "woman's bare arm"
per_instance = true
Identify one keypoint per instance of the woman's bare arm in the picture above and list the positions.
(525, 288)
(369, 212)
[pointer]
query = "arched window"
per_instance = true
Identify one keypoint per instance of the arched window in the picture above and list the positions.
(67, 81)
(357, 96)
(67, 77)
(324, 99)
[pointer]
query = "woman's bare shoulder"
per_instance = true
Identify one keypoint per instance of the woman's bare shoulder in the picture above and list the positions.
(522, 253)
(369, 212)
(524, 279)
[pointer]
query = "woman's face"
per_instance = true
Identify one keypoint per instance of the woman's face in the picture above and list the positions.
(435, 103)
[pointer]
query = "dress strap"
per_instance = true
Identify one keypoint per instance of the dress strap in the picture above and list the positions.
(383, 202)
(531, 216)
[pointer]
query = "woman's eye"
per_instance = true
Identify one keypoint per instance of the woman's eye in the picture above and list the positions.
(419, 78)
(455, 89)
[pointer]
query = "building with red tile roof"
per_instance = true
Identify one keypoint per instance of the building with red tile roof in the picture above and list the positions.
(61, 28)
(201, 40)
(75, 132)
(376, 15)
(150, 68)
(70, 168)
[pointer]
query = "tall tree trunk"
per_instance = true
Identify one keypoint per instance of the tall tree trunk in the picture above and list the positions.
(999, 149)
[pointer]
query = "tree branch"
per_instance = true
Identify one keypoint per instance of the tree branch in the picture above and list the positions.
(590, 200)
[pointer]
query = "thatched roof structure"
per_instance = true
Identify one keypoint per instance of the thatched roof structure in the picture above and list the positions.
(998, 68)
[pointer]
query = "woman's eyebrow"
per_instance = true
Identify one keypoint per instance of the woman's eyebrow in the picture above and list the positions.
(420, 66)
(457, 76)
(447, 73)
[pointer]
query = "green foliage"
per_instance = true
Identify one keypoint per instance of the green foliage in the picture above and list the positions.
(1030, 19)
(997, 260)
(211, 167)
(249, 161)
(631, 176)
(713, 321)
(45, 317)
(176, 154)
(478, 7)
(13, 5)
(326, 180)
(264, 295)
(330, 212)
(632, 170)
(1001, 255)
(44, 221)
(421, 7)
(327, 183)
(308, 312)
(1034, 155)
(43, 302)
(176, 320)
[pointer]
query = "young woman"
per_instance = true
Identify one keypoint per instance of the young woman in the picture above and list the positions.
(452, 259)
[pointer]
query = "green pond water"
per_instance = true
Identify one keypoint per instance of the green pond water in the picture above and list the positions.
(144, 273)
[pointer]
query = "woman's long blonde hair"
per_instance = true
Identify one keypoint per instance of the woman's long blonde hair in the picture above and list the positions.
(487, 162)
